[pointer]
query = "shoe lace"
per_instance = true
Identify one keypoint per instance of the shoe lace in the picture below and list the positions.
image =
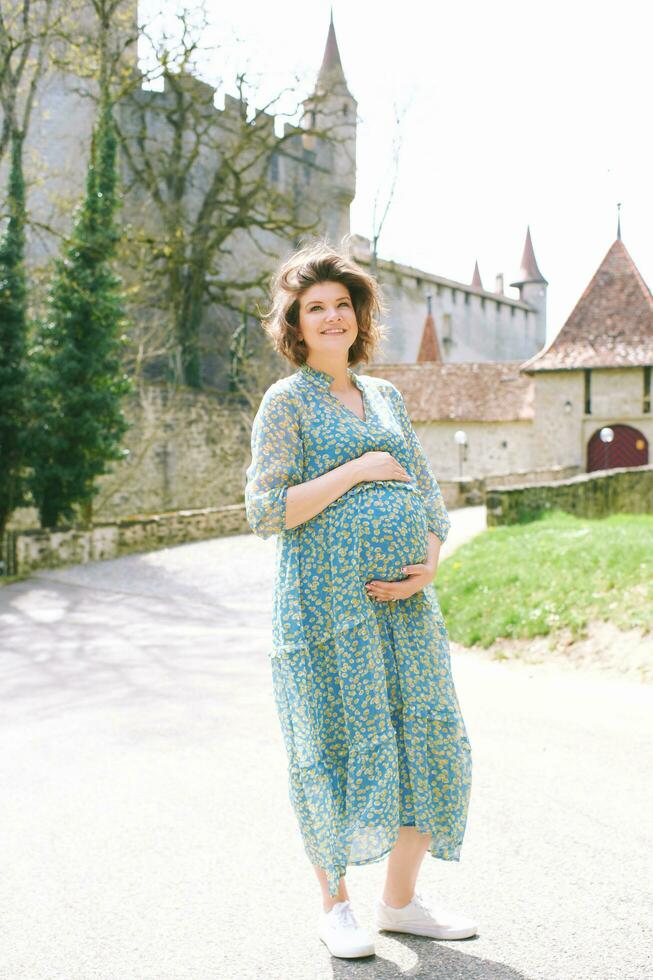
(346, 915)
(418, 899)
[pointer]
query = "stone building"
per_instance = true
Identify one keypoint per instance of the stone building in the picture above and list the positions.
(471, 322)
(542, 417)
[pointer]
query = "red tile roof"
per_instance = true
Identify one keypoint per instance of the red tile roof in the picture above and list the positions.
(611, 324)
(480, 392)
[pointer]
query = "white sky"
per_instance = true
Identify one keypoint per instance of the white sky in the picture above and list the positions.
(517, 113)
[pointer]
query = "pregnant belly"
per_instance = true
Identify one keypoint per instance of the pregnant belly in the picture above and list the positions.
(393, 529)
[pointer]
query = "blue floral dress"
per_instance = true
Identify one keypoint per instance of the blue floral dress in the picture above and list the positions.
(368, 710)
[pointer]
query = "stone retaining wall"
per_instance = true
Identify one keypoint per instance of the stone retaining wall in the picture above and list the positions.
(471, 491)
(25, 551)
(628, 490)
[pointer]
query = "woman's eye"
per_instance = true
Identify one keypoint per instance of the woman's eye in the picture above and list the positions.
(312, 309)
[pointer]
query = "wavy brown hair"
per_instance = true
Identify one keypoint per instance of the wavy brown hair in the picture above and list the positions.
(316, 263)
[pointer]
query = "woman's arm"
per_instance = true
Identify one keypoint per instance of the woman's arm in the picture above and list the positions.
(277, 462)
(308, 499)
(276, 499)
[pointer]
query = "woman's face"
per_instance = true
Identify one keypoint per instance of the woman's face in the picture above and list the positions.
(327, 321)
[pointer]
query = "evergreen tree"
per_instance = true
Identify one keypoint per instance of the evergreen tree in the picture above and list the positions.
(13, 342)
(79, 380)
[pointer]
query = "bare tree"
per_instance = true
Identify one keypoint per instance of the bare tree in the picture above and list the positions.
(213, 194)
(377, 226)
(25, 27)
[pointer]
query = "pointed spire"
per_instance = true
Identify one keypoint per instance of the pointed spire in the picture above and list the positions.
(476, 278)
(429, 348)
(528, 271)
(331, 71)
(619, 221)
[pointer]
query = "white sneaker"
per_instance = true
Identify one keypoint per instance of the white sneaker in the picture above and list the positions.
(419, 919)
(340, 932)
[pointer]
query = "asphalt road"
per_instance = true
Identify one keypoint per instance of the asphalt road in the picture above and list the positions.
(146, 831)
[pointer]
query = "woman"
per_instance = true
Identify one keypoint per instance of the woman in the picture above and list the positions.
(379, 761)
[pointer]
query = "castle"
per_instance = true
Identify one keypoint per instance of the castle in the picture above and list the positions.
(546, 417)
(467, 359)
(469, 322)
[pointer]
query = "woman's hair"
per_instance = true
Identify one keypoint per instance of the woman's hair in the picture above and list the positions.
(316, 263)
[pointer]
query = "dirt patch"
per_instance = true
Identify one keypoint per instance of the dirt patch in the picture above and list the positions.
(603, 648)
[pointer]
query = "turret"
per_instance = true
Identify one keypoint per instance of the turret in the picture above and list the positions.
(532, 288)
(333, 110)
(476, 278)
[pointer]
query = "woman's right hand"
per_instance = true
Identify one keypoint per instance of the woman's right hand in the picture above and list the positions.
(378, 465)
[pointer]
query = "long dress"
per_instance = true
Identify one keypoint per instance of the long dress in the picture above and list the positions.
(368, 710)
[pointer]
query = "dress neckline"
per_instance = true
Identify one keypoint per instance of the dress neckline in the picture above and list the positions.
(323, 379)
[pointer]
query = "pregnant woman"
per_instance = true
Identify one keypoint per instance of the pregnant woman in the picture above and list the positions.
(379, 761)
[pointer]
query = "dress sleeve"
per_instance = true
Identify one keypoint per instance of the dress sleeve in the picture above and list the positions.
(438, 518)
(276, 464)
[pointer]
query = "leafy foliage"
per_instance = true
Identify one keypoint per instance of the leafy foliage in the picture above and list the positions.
(79, 381)
(13, 342)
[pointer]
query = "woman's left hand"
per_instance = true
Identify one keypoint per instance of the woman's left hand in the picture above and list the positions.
(419, 576)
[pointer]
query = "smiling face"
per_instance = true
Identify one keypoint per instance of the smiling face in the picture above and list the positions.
(327, 320)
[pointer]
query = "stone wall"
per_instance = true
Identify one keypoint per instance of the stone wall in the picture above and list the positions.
(471, 492)
(562, 429)
(494, 449)
(471, 326)
(187, 449)
(628, 490)
(26, 551)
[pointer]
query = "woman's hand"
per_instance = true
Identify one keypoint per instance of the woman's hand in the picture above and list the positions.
(378, 465)
(419, 576)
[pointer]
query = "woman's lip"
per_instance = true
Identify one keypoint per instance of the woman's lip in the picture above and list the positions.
(335, 330)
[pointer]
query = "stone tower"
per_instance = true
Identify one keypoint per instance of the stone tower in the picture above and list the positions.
(333, 108)
(58, 140)
(532, 288)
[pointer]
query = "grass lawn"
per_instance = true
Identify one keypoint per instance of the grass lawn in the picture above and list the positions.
(528, 580)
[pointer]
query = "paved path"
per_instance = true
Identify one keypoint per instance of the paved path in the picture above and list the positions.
(146, 831)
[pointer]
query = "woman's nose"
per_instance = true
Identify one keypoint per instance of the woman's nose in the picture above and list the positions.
(333, 314)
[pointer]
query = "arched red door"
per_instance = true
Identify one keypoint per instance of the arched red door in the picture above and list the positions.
(628, 448)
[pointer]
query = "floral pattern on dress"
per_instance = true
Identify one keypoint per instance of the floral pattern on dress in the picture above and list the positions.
(368, 710)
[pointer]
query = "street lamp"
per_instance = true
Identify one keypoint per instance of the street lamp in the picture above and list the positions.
(461, 438)
(606, 435)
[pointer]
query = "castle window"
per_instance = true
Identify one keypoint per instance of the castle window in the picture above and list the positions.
(482, 302)
(646, 407)
(512, 311)
(438, 289)
(345, 109)
(418, 282)
(274, 167)
(466, 298)
(588, 391)
(453, 295)
(313, 118)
